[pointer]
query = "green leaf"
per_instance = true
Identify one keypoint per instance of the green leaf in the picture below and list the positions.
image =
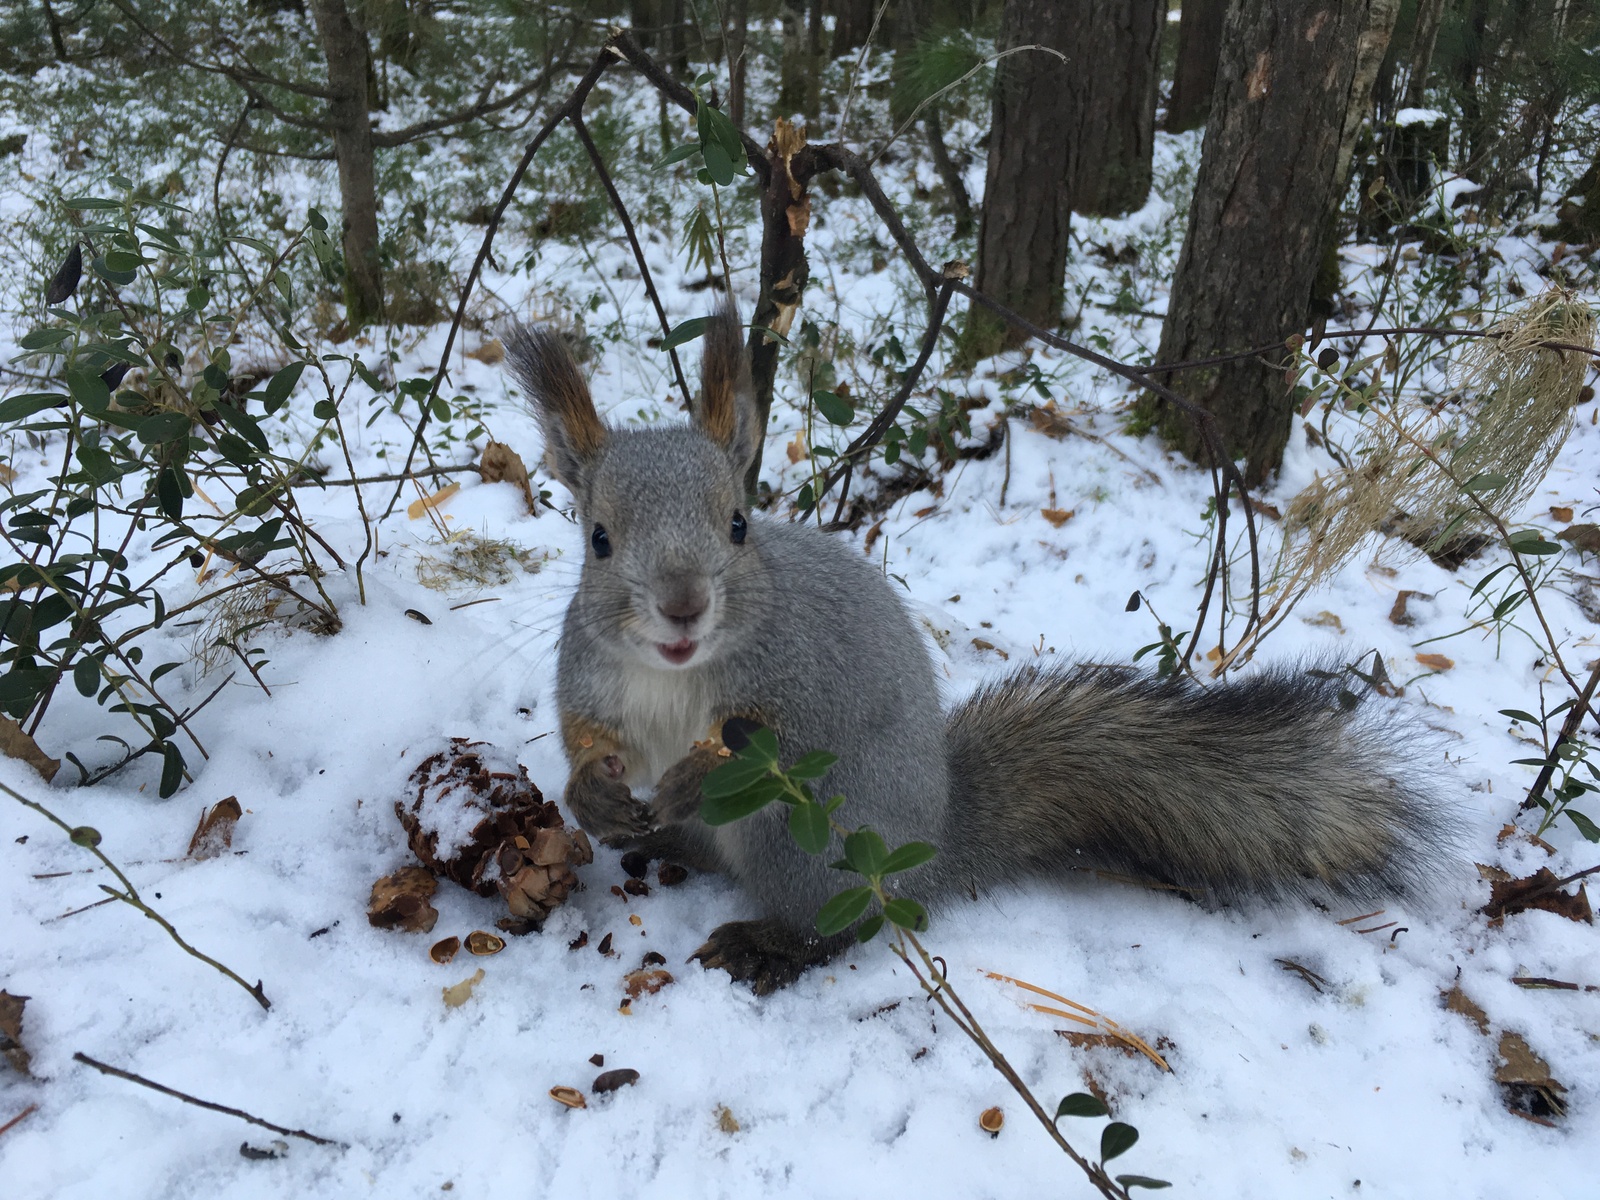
(724, 810)
(720, 145)
(762, 745)
(1144, 1181)
(1081, 1104)
(843, 910)
(86, 676)
(197, 299)
(86, 836)
(834, 407)
(43, 339)
(244, 424)
(732, 777)
(324, 410)
(1488, 481)
(865, 852)
(253, 501)
(1516, 714)
(123, 262)
(169, 492)
(441, 409)
(868, 929)
(813, 765)
(808, 825)
(171, 769)
(1588, 828)
(89, 390)
(95, 203)
(685, 331)
(907, 914)
(280, 385)
(164, 427)
(677, 154)
(318, 221)
(17, 408)
(1116, 1139)
(1531, 541)
(912, 854)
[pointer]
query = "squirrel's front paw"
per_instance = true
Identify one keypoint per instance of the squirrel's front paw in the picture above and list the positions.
(604, 806)
(677, 796)
(765, 954)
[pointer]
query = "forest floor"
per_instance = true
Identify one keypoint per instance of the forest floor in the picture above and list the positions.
(1312, 1051)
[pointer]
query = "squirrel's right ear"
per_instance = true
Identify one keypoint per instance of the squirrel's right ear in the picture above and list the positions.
(727, 408)
(573, 432)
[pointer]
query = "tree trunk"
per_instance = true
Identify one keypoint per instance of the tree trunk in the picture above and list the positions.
(1424, 36)
(852, 23)
(1027, 213)
(1263, 198)
(949, 173)
(1199, 45)
(797, 73)
(1118, 44)
(348, 57)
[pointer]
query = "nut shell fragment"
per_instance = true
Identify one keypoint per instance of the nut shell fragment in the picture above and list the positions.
(400, 901)
(443, 952)
(481, 943)
(991, 1120)
(570, 1096)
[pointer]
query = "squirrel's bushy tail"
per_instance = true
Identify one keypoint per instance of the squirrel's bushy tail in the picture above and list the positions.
(1263, 786)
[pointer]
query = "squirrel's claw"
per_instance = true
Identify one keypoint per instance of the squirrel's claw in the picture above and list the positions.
(765, 954)
(605, 808)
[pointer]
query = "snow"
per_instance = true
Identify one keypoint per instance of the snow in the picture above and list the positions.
(1419, 116)
(849, 1083)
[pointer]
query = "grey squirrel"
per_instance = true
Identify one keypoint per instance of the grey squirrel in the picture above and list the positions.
(691, 612)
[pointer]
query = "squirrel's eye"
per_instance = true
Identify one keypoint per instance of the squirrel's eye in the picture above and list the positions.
(601, 541)
(739, 529)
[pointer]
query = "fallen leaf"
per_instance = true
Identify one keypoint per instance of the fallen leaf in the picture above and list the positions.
(1561, 513)
(1435, 662)
(1585, 538)
(214, 834)
(1540, 891)
(400, 901)
(1530, 1090)
(645, 982)
(1326, 620)
(11, 1032)
(983, 644)
(489, 353)
(1457, 1001)
(797, 449)
(1058, 516)
(16, 744)
(726, 1121)
(501, 464)
(417, 507)
(610, 1081)
(1398, 614)
(458, 994)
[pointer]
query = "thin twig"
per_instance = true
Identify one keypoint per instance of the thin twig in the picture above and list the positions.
(130, 894)
(633, 240)
(17, 1120)
(108, 1069)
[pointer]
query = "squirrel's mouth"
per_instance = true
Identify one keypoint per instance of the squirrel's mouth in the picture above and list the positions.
(678, 653)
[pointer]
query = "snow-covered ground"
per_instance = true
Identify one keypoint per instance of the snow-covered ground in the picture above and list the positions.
(849, 1083)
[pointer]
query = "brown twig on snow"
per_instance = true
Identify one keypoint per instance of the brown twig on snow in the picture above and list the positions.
(17, 1120)
(108, 1069)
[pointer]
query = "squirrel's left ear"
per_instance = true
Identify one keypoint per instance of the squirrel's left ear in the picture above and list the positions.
(727, 408)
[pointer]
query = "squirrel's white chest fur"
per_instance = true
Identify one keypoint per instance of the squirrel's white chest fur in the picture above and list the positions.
(665, 713)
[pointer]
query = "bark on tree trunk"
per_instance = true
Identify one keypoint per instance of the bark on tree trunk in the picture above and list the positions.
(1264, 195)
(1199, 45)
(1424, 36)
(1027, 213)
(1118, 44)
(852, 23)
(797, 73)
(344, 46)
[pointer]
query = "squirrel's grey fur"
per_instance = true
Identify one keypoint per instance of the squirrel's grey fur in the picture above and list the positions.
(1263, 786)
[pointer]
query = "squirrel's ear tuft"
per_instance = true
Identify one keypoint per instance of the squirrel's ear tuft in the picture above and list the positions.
(573, 432)
(726, 411)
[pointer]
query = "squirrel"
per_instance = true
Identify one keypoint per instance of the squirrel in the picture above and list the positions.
(693, 615)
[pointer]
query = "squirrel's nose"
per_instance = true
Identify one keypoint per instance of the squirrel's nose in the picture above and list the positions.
(684, 603)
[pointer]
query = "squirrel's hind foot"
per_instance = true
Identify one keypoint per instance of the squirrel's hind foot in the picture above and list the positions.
(766, 954)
